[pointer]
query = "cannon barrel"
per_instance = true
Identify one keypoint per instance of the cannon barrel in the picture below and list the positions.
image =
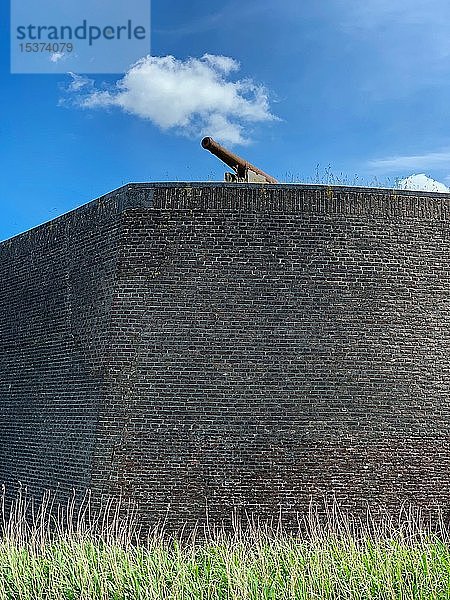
(235, 162)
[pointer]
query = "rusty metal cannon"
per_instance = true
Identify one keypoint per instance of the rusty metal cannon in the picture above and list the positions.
(244, 172)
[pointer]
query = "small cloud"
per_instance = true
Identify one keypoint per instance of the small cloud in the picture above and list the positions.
(79, 82)
(397, 163)
(57, 56)
(193, 97)
(423, 183)
(222, 63)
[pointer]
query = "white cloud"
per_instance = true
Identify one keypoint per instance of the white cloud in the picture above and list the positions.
(413, 161)
(193, 97)
(222, 63)
(79, 82)
(56, 56)
(422, 183)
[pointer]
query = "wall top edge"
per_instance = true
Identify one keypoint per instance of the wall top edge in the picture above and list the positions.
(289, 197)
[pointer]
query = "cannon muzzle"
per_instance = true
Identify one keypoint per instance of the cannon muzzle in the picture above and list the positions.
(243, 170)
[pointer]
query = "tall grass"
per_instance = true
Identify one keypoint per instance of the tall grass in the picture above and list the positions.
(50, 551)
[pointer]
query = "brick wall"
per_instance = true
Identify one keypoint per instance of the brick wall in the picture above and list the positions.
(55, 302)
(231, 346)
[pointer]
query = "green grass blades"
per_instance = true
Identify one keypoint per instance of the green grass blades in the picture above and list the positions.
(256, 567)
(81, 557)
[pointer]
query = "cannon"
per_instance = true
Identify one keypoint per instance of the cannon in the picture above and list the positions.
(244, 172)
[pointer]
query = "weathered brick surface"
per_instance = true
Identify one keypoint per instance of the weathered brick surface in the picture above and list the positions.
(235, 346)
(56, 291)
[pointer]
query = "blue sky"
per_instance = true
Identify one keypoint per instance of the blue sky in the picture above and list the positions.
(357, 89)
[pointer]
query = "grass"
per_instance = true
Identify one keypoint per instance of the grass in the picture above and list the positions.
(326, 176)
(76, 554)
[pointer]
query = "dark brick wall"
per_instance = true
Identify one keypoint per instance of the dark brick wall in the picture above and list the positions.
(235, 346)
(57, 286)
